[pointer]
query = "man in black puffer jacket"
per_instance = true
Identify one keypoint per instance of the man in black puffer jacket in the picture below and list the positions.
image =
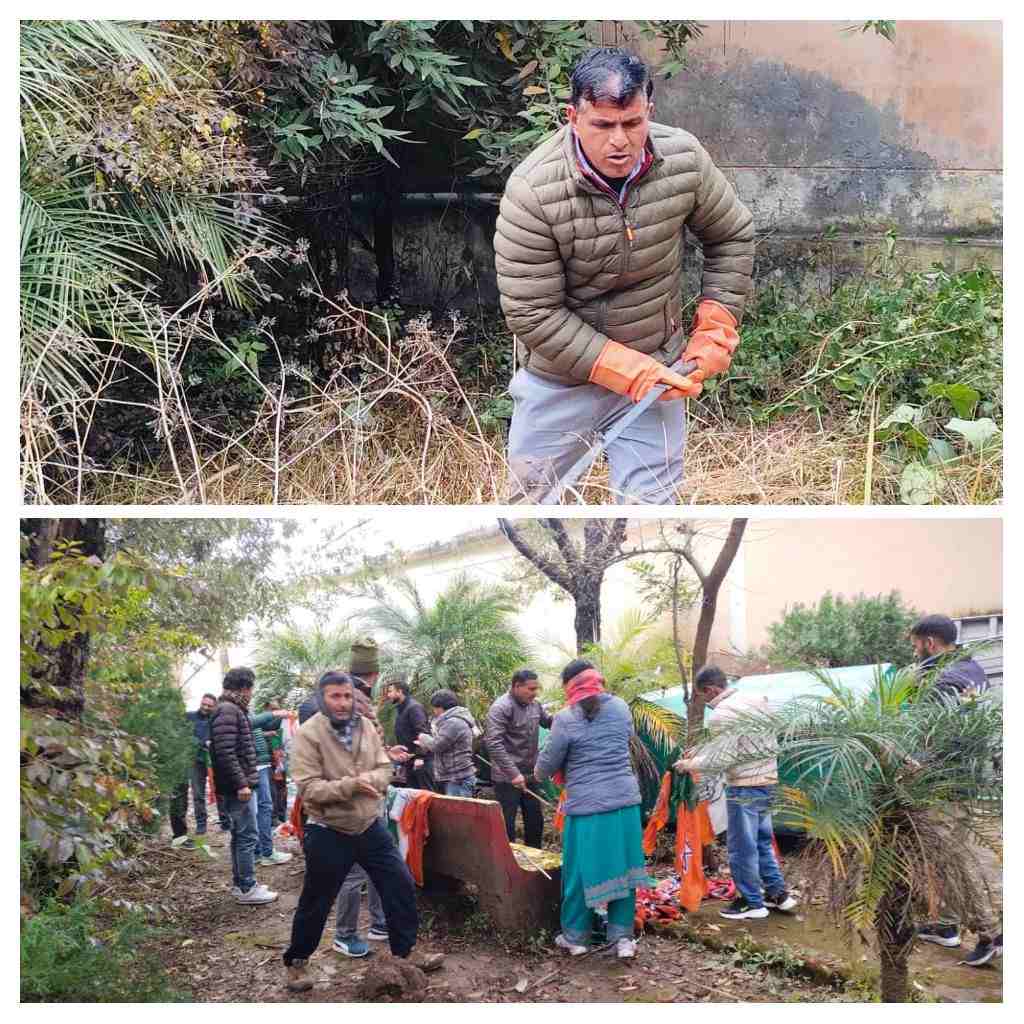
(233, 756)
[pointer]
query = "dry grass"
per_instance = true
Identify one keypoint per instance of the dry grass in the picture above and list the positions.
(408, 434)
(389, 462)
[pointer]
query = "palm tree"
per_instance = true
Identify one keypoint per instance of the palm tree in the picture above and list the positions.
(896, 788)
(464, 641)
(91, 254)
(292, 658)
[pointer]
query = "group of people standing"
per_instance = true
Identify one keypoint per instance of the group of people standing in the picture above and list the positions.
(343, 770)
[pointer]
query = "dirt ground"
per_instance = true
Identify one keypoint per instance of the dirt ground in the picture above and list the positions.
(219, 951)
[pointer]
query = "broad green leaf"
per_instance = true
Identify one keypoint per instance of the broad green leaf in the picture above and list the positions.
(940, 450)
(919, 484)
(976, 432)
(902, 414)
(962, 397)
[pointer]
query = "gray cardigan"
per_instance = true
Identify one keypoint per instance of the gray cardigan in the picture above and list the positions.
(594, 756)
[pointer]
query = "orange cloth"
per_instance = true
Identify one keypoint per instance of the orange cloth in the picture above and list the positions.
(659, 816)
(628, 372)
(211, 790)
(296, 819)
(416, 827)
(693, 833)
(558, 823)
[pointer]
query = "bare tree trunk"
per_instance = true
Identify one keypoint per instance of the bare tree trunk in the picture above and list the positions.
(711, 583)
(588, 615)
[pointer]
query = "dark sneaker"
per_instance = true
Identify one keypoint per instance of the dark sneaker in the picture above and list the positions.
(779, 900)
(740, 910)
(984, 951)
(947, 935)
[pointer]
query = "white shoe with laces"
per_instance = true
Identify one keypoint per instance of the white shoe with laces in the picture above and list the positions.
(256, 895)
(563, 943)
(625, 949)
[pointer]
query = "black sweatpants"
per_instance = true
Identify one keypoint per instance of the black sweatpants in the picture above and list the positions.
(511, 799)
(329, 857)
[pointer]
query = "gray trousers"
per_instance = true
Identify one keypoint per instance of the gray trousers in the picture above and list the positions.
(346, 914)
(554, 424)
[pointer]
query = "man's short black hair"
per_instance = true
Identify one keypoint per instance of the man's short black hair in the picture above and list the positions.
(574, 668)
(524, 675)
(400, 684)
(445, 699)
(710, 676)
(608, 74)
(239, 679)
(941, 627)
(334, 677)
(212, 696)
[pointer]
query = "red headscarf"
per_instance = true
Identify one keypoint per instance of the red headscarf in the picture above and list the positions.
(587, 683)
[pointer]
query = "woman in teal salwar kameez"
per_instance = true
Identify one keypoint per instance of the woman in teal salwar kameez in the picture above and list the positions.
(602, 854)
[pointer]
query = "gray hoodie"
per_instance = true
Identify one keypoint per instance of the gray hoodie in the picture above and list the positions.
(452, 745)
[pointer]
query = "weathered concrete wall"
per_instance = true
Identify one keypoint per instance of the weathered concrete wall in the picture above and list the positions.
(831, 138)
(818, 127)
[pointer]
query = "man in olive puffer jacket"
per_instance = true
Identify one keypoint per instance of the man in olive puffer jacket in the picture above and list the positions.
(589, 248)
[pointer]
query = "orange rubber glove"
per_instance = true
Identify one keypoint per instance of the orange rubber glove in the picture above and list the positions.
(627, 372)
(714, 338)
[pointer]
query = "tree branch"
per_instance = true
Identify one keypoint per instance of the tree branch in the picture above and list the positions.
(545, 565)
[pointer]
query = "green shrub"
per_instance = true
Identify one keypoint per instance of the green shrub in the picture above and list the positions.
(68, 954)
(838, 631)
(901, 336)
(158, 715)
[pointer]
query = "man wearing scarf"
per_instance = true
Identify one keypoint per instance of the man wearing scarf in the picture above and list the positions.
(235, 775)
(342, 771)
(602, 848)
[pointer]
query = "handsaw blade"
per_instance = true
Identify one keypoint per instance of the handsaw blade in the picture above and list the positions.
(554, 493)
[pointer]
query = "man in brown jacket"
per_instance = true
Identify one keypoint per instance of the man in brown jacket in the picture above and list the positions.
(342, 770)
(589, 249)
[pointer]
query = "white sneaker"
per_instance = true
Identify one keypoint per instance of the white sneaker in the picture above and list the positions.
(236, 891)
(625, 949)
(257, 894)
(276, 857)
(563, 943)
(377, 935)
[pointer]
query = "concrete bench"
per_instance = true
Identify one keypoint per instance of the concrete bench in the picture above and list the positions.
(468, 844)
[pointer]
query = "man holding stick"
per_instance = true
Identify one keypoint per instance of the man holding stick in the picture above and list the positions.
(512, 735)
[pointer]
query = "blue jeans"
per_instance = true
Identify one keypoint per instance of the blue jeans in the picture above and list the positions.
(263, 794)
(751, 857)
(329, 858)
(461, 787)
(242, 815)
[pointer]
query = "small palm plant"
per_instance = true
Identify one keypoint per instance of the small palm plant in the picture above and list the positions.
(465, 640)
(897, 789)
(292, 658)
